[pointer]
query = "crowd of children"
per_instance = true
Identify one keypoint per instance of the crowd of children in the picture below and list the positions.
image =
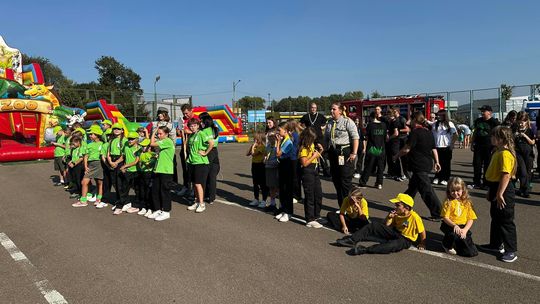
(91, 162)
(103, 157)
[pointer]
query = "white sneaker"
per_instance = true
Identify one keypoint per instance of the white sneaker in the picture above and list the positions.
(314, 224)
(262, 204)
(254, 203)
(356, 175)
(155, 214)
(142, 212)
(200, 208)
(163, 216)
(277, 217)
(284, 218)
(148, 213)
(193, 207)
(126, 207)
(444, 183)
(101, 205)
(294, 201)
(436, 181)
(379, 187)
(451, 251)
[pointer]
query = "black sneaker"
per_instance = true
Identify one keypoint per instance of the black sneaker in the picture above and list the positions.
(509, 257)
(270, 208)
(345, 241)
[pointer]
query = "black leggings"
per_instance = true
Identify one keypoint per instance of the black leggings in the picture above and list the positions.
(213, 171)
(76, 175)
(353, 224)
(144, 190)
(259, 180)
(464, 247)
(128, 182)
(161, 196)
(393, 241)
(285, 185)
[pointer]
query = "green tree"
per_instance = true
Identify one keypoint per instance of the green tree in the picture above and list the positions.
(247, 103)
(376, 94)
(354, 95)
(506, 91)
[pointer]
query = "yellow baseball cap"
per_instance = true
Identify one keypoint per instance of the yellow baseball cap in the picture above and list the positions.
(403, 198)
(95, 129)
(106, 121)
(117, 126)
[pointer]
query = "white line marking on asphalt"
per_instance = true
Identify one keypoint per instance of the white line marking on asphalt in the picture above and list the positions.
(45, 288)
(428, 252)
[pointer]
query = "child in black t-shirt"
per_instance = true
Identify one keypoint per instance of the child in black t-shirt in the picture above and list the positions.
(524, 142)
(375, 152)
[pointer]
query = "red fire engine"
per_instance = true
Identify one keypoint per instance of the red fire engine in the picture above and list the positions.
(406, 105)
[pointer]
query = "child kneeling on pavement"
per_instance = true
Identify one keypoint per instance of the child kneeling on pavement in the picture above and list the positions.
(401, 229)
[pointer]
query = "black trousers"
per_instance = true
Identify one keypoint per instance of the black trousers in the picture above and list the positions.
(76, 175)
(297, 179)
(394, 167)
(445, 159)
(371, 162)
(524, 170)
(341, 175)
(312, 192)
(464, 247)
(394, 240)
(359, 161)
(161, 196)
(503, 228)
(107, 179)
(353, 224)
(175, 170)
(259, 180)
(420, 182)
(481, 159)
(144, 190)
(285, 185)
(128, 182)
(213, 171)
(117, 179)
(185, 168)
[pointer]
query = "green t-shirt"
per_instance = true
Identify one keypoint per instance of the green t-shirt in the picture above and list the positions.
(59, 151)
(67, 150)
(130, 155)
(147, 161)
(78, 153)
(165, 156)
(208, 134)
(104, 149)
(93, 150)
(196, 143)
(116, 146)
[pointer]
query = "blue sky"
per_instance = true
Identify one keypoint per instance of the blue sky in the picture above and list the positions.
(288, 48)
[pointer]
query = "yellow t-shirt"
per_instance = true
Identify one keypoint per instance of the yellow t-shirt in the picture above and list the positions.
(308, 153)
(348, 207)
(458, 212)
(409, 226)
(258, 156)
(502, 161)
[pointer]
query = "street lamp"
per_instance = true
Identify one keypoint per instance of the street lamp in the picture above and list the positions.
(234, 84)
(154, 105)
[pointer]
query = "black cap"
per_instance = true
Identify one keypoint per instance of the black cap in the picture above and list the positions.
(162, 109)
(485, 108)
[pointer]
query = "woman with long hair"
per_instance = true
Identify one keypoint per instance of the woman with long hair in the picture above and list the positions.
(524, 142)
(445, 134)
(211, 134)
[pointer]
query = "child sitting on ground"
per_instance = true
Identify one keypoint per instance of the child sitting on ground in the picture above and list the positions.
(353, 214)
(402, 227)
(458, 215)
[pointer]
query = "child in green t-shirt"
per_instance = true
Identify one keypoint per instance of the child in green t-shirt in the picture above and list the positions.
(107, 171)
(163, 174)
(59, 153)
(198, 163)
(128, 173)
(115, 159)
(75, 165)
(92, 167)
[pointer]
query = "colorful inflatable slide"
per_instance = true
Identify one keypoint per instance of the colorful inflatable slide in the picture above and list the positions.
(230, 126)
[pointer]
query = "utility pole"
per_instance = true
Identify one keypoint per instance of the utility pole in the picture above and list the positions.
(234, 84)
(271, 103)
(154, 105)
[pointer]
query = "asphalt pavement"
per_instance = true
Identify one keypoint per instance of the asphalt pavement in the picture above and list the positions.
(232, 253)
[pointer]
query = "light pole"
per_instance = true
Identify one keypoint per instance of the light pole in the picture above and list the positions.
(154, 105)
(234, 84)
(271, 103)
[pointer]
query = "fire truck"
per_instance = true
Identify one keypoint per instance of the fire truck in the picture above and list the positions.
(407, 105)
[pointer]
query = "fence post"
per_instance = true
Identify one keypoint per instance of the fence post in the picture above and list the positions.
(500, 104)
(174, 107)
(87, 95)
(134, 98)
(471, 100)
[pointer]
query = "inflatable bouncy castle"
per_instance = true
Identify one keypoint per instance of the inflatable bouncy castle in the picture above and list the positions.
(230, 126)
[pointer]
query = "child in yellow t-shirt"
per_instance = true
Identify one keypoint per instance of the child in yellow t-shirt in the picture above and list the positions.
(257, 152)
(401, 229)
(502, 167)
(308, 156)
(458, 216)
(353, 214)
